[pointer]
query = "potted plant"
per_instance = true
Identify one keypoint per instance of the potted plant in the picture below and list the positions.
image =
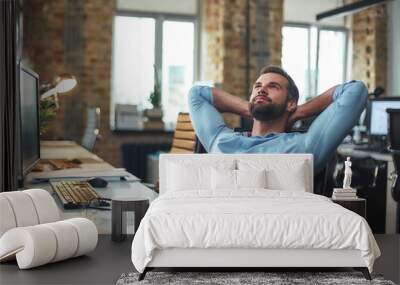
(155, 96)
(154, 115)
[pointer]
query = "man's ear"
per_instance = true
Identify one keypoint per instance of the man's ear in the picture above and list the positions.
(291, 106)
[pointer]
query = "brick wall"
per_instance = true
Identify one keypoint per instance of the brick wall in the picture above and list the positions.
(370, 46)
(76, 37)
(229, 49)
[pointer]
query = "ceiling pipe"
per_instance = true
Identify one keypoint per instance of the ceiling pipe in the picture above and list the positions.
(348, 9)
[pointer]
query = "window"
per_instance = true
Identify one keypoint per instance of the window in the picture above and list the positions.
(142, 43)
(315, 57)
(133, 72)
(177, 67)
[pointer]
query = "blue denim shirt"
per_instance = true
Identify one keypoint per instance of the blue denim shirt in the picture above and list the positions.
(324, 135)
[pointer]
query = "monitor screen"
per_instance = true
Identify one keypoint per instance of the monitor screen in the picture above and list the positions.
(29, 119)
(379, 118)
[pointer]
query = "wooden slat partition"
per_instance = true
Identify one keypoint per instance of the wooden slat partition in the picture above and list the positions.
(184, 140)
(186, 144)
(185, 135)
(184, 126)
(180, 150)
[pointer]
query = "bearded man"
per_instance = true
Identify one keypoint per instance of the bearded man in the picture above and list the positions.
(273, 108)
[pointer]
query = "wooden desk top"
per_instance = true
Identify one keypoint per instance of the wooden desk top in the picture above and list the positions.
(349, 150)
(69, 150)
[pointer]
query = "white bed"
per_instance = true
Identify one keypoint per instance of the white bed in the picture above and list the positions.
(202, 219)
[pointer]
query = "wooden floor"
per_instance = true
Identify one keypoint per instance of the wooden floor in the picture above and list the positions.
(111, 259)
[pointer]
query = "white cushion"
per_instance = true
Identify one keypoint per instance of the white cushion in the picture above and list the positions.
(67, 239)
(223, 179)
(40, 244)
(7, 220)
(279, 180)
(188, 175)
(251, 178)
(45, 205)
(26, 208)
(34, 244)
(23, 208)
(87, 235)
(282, 174)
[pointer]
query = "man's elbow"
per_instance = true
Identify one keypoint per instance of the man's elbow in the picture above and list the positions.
(354, 94)
(360, 90)
(197, 95)
(194, 93)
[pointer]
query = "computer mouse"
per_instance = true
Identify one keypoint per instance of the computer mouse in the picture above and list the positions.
(98, 182)
(76, 161)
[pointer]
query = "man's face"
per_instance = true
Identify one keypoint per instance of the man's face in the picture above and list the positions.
(269, 97)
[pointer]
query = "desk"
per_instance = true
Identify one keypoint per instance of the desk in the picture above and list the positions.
(71, 150)
(115, 189)
(391, 205)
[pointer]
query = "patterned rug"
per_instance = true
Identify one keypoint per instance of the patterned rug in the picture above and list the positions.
(243, 278)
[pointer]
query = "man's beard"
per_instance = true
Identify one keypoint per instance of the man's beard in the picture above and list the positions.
(267, 112)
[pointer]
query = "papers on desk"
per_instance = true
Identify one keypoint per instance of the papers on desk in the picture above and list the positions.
(109, 174)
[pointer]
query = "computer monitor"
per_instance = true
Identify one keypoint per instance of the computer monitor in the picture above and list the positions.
(378, 117)
(29, 132)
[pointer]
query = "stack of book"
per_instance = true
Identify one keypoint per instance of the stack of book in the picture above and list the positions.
(344, 194)
(128, 117)
(154, 119)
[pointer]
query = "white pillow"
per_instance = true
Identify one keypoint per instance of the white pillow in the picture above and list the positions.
(186, 175)
(223, 179)
(282, 174)
(293, 180)
(251, 178)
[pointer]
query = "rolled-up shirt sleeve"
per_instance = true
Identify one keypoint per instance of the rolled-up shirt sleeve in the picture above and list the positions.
(335, 122)
(206, 119)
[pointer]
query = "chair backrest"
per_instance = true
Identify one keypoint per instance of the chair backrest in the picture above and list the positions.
(184, 140)
(92, 128)
(26, 208)
(394, 143)
(394, 129)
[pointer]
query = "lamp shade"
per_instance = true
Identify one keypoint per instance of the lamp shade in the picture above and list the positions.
(63, 83)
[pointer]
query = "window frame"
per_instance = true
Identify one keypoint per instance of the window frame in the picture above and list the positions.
(346, 49)
(312, 80)
(159, 19)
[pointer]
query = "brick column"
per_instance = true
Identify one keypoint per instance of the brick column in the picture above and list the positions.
(369, 46)
(234, 59)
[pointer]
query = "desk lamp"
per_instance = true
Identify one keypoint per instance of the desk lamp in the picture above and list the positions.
(62, 84)
(49, 100)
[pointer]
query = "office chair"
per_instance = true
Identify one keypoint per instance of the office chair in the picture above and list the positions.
(394, 147)
(92, 128)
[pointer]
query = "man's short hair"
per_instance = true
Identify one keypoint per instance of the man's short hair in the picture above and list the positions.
(293, 91)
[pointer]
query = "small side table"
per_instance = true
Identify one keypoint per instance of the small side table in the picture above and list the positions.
(357, 205)
(121, 205)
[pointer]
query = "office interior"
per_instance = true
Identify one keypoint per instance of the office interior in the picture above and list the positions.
(99, 87)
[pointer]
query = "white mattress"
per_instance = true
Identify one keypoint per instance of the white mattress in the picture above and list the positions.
(257, 219)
